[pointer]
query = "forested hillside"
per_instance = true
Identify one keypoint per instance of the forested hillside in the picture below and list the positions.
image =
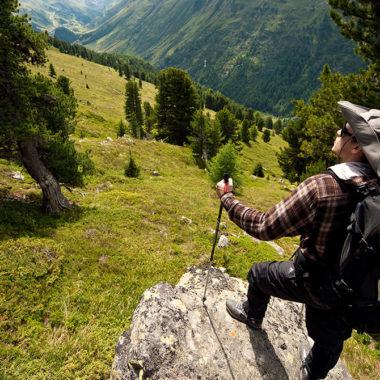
(259, 53)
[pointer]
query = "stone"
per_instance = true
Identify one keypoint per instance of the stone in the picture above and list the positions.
(156, 173)
(18, 175)
(186, 220)
(223, 242)
(109, 139)
(175, 335)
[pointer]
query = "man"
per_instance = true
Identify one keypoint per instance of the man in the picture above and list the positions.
(319, 211)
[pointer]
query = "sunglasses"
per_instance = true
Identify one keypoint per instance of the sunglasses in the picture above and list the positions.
(344, 131)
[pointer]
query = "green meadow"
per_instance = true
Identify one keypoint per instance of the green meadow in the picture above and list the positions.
(69, 283)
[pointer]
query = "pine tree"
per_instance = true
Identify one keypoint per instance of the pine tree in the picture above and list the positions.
(266, 135)
(131, 169)
(269, 123)
(133, 103)
(37, 113)
(260, 123)
(177, 100)
(226, 161)
(277, 126)
(52, 72)
(254, 132)
(258, 170)
(121, 129)
(360, 21)
(228, 124)
(245, 137)
(205, 137)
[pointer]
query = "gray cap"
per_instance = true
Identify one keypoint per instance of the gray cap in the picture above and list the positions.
(365, 123)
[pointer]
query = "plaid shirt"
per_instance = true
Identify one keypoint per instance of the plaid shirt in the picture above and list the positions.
(318, 210)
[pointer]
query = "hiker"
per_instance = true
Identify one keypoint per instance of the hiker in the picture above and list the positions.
(318, 210)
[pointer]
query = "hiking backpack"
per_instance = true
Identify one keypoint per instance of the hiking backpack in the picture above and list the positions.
(354, 288)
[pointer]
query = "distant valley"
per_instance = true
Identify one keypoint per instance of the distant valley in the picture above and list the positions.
(260, 53)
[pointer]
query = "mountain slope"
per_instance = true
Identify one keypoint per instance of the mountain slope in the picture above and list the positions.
(260, 53)
(74, 14)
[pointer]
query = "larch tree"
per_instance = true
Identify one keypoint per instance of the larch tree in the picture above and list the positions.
(176, 102)
(36, 114)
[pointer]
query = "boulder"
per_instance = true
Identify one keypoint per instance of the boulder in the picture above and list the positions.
(175, 335)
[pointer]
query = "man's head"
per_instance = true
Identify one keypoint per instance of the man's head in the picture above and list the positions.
(346, 147)
(364, 123)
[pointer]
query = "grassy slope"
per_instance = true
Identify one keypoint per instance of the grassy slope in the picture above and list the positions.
(69, 283)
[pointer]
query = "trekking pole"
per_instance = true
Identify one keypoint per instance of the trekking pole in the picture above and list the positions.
(225, 178)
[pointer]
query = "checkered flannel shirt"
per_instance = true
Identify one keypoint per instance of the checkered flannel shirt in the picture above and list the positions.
(318, 210)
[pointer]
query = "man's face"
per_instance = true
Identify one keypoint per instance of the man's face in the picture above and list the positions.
(343, 142)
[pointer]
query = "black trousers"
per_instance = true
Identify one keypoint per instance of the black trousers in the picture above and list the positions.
(326, 328)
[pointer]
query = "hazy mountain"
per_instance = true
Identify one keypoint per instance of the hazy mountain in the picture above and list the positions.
(261, 53)
(76, 15)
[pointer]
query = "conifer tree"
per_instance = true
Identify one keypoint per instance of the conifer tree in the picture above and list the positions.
(245, 137)
(253, 132)
(269, 123)
(360, 21)
(150, 117)
(205, 137)
(132, 106)
(266, 135)
(131, 169)
(258, 170)
(121, 129)
(228, 124)
(176, 102)
(226, 161)
(52, 72)
(36, 112)
(277, 126)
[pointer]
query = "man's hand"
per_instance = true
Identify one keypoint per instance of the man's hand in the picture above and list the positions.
(220, 186)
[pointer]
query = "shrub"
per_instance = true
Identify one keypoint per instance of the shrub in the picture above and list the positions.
(258, 170)
(131, 169)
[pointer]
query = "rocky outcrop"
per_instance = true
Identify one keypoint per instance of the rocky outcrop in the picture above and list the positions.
(175, 335)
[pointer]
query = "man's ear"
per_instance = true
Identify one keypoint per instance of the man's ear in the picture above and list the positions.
(357, 150)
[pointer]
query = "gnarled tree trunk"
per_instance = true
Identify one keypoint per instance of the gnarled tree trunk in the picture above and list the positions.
(53, 199)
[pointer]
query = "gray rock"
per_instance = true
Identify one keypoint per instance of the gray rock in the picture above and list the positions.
(18, 175)
(174, 335)
(223, 242)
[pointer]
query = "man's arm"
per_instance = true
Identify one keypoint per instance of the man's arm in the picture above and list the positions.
(292, 216)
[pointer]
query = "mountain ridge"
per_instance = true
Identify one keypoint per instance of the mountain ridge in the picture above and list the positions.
(261, 54)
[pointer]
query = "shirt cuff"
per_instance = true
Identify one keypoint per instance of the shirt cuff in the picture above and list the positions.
(227, 200)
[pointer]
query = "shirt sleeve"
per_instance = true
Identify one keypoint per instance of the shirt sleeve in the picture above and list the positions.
(292, 216)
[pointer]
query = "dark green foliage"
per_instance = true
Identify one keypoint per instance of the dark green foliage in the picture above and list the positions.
(313, 168)
(269, 123)
(206, 136)
(64, 83)
(176, 103)
(226, 161)
(253, 132)
(244, 133)
(37, 113)
(65, 34)
(131, 170)
(266, 135)
(52, 72)
(67, 165)
(249, 114)
(228, 124)
(150, 117)
(258, 170)
(132, 107)
(121, 129)
(290, 160)
(360, 21)
(260, 123)
(277, 126)
(140, 83)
